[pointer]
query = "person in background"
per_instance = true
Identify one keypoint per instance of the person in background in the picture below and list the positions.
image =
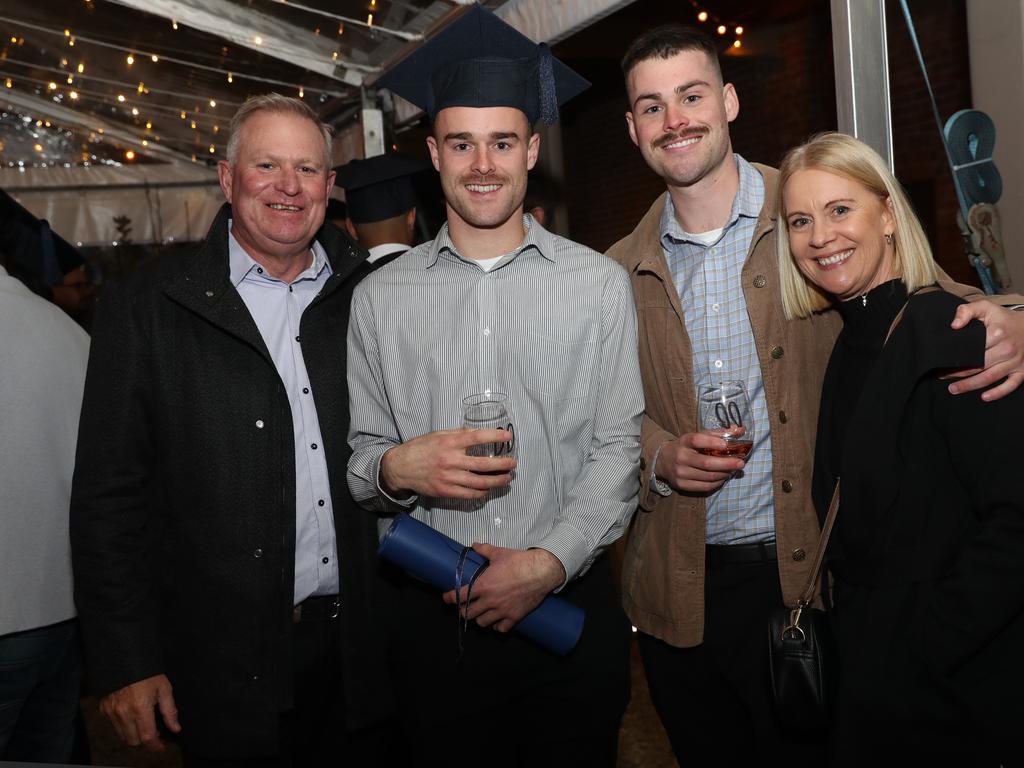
(42, 372)
(337, 213)
(225, 580)
(381, 205)
(496, 304)
(542, 199)
(719, 543)
(929, 553)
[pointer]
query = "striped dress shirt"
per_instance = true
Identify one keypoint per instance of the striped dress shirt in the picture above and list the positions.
(708, 280)
(553, 326)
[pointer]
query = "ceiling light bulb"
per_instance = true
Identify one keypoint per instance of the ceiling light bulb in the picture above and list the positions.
(739, 30)
(721, 29)
(702, 16)
(130, 59)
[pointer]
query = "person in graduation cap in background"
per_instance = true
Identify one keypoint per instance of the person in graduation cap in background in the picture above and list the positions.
(496, 304)
(381, 205)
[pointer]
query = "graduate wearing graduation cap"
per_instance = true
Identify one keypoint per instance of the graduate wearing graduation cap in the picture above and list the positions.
(496, 304)
(381, 205)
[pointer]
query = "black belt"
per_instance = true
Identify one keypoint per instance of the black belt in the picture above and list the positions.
(722, 555)
(317, 608)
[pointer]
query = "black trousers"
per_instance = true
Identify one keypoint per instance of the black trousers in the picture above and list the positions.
(507, 702)
(714, 699)
(313, 733)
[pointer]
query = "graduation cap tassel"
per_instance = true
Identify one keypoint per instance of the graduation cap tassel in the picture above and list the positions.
(546, 86)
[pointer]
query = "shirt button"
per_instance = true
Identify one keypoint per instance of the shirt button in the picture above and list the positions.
(786, 486)
(259, 423)
(313, 446)
(718, 363)
(714, 250)
(783, 418)
(760, 281)
(209, 294)
(776, 353)
(296, 338)
(324, 561)
(714, 307)
(320, 503)
(305, 390)
(799, 554)
(487, 331)
(260, 270)
(257, 553)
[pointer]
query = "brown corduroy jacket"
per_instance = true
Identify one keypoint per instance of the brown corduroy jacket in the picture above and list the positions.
(663, 569)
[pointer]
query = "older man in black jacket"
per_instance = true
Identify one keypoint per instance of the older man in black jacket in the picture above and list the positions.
(224, 577)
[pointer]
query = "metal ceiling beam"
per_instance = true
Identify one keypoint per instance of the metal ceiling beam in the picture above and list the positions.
(243, 26)
(46, 108)
(547, 22)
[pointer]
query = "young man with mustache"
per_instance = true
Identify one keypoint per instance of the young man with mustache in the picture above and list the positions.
(496, 304)
(721, 542)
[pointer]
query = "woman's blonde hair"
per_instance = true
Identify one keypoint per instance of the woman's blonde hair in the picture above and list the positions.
(846, 156)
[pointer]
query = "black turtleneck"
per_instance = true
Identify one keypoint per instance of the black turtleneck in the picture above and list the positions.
(866, 321)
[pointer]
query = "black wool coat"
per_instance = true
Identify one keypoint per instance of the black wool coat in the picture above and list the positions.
(928, 557)
(183, 504)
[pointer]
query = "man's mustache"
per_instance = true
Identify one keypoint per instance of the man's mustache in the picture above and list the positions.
(670, 138)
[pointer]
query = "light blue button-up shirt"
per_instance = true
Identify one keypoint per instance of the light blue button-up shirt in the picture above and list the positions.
(708, 280)
(277, 309)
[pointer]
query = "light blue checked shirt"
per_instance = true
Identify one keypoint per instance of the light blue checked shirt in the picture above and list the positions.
(276, 308)
(708, 281)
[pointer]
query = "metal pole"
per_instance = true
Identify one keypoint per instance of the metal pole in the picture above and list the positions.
(862, 73)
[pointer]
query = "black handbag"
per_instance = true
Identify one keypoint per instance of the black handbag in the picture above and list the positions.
(802, 654)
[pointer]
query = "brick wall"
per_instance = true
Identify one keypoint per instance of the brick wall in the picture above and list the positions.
(785, 95)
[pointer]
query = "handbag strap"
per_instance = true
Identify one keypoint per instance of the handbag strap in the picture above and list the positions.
(807, 596)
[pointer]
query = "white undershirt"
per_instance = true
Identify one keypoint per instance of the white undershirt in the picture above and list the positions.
(705, 238)
(487, 264)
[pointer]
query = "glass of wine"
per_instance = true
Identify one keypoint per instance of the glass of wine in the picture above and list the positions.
(725, 413)
(489, 411)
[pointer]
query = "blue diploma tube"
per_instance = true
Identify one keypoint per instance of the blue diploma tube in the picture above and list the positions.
(555, 624)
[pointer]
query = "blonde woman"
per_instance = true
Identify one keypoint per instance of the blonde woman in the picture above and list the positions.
(928, 550)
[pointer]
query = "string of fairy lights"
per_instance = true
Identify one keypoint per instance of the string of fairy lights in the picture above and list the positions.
(126, 98)
(722, 27)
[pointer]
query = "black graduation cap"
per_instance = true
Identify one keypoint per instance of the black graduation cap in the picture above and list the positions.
(379, 187)
(480, 61)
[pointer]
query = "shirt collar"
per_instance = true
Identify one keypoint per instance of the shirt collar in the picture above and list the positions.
(385, 249)
(746, 204)
(240, 263)
(537, 238)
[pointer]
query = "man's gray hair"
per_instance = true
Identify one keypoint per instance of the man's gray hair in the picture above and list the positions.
(275, 102)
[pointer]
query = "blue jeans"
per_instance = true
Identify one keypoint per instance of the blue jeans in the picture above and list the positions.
(40, 673)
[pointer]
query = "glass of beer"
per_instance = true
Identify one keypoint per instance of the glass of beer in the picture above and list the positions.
(489, 411)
